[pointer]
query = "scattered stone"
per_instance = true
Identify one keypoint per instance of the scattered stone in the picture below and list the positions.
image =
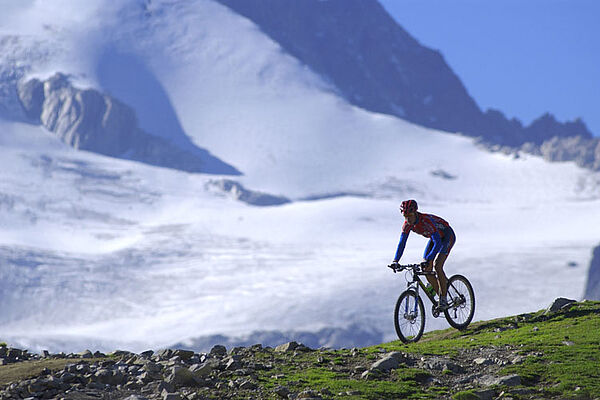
(482, 361)
(282, 391)
(287, 347)
(390, 361)
(510, 380)
(309, 395)
(248, 385)
(518, 360)
(558, 304)
(86, 354)
(171, 396)
(487, 394)
(181, 376)
(183, 354)
(441, 364)
(219, 351)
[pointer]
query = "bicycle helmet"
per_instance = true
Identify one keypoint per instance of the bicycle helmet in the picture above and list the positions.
(408, 206)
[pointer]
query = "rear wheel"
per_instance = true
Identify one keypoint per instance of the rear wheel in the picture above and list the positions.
(409, 317)
(461, 302)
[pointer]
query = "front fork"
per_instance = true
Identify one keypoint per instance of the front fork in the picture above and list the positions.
(416, 289)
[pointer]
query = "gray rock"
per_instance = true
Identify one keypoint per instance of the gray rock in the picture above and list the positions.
(232, 363)
(287, 347)
(205, 368)
(487, 394)
(482, 361)
(120, 353)
(558, 304)
(181, 376)
(592, 287)
(510, 380)
(239, 192)
(309, 394)
(218, 350)
(165, 387)
(248, 385)
(31, 95)
(165, 354)
(109, 377)
(184, 355)
(152, 367)
(171, 396)
(86, 354)
(389, 361)
(89, 120)
(147, 353)
(440, 364)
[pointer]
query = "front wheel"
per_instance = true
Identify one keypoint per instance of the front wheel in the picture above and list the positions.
(461, 302)
(409, 317)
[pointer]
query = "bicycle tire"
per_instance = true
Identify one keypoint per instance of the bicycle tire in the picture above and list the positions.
(461, 298)
(405, 323)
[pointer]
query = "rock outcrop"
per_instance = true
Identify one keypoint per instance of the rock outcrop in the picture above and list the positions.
(89, 120)
(239, 192)
(592, 287)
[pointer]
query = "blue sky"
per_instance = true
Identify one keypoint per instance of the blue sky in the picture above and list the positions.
(523, 57)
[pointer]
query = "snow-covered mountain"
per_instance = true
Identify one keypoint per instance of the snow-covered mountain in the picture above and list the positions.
(103, 252)
(379, 66)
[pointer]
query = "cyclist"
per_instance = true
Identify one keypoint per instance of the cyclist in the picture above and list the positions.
(441, 239)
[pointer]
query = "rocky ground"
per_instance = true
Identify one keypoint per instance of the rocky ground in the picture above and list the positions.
(222, 374)
(530, 356)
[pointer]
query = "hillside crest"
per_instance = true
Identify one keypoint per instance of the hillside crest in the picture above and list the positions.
(547, 354)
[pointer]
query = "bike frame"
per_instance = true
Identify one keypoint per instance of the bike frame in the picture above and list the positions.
(417, 283)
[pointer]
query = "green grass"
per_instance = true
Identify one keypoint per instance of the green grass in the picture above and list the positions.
(404, 384)
(29, 369)
(568, 371)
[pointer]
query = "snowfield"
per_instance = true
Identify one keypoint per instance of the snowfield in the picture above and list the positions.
(103, 253)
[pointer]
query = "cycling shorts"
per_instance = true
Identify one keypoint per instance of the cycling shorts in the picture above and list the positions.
(447, 242)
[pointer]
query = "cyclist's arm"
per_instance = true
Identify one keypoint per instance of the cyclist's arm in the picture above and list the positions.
(401, 246)
(437, 246)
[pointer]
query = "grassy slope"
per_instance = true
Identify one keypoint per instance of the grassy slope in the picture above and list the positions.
(566, 361)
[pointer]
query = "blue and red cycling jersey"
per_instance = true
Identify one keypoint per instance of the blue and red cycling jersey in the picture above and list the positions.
(440, 234)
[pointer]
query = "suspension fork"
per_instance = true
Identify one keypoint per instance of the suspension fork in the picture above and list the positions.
(416, 301)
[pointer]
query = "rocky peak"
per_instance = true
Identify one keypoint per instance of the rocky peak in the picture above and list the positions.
(375, 64)
(87, 119)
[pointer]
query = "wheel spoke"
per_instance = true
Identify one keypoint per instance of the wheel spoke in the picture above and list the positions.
(461, 301)
(409, 317)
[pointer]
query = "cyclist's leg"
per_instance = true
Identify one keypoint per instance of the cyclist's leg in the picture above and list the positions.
(441, 258)
(431, 278)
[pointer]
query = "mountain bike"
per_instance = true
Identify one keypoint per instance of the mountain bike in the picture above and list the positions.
(409, 314)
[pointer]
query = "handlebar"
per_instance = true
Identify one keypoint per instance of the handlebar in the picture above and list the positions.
(399, 267)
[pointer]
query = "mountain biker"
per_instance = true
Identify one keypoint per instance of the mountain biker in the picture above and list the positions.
(441, 239)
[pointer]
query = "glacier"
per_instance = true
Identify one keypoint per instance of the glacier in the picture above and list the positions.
(105, 253)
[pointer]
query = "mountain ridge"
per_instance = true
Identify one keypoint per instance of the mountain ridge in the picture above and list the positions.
(377, 65)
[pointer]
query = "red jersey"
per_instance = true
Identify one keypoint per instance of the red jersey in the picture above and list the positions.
(426, 225)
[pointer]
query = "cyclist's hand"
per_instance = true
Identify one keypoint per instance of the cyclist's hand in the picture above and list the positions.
(425, 264)
(394, 266)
